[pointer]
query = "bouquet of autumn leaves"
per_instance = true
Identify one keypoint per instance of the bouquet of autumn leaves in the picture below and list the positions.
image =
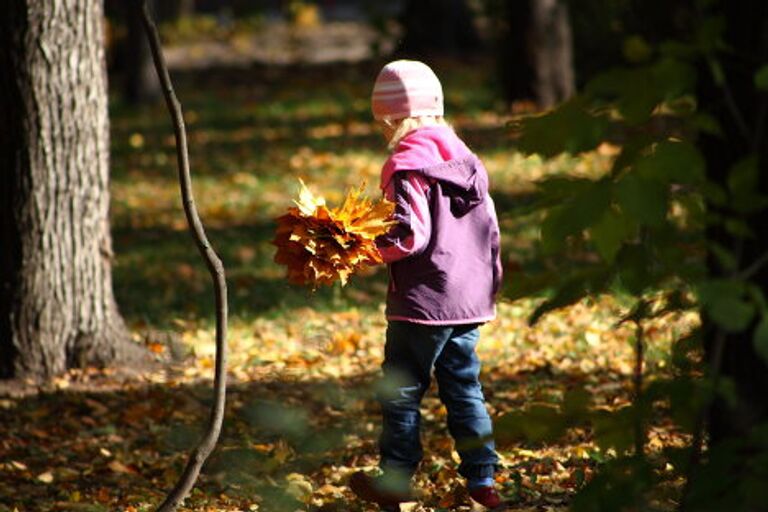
(320, 245)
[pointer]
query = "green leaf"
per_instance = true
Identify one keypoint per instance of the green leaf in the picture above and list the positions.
(631, 90)
(687, 398)
(569, 293)
(636, 49)
(536, 424)
(525, 285)
(581, 211)
(726, 389)
(556, 189)
(709, 34)
(639, 100)
(543, 423)
(673, 78)
(643, 200)
(714, 193)
(761, 78)
(723, 300)
(576, 403)
(711, 290)
(621, 484)
(615, 429)
(683, 348)
(755, 292)
(671, 161)
(637, 91)
(707, 123)
(744, 176)
(738, 228)
(590, 280)
(725, 257)
(743, 183)
(608, 234)
(760, 338)
(677, 50)
(634, 269)
(631, 151)
(569, 128)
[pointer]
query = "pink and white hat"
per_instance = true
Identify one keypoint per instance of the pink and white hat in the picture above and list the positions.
(406, 88)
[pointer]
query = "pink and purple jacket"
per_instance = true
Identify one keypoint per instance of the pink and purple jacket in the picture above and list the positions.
(443, 254)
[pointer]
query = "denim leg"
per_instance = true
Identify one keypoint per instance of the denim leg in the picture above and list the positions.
(457, 370)
(409, 355)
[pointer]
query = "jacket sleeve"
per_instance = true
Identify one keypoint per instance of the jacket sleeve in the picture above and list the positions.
(410, 193)
(498, 272)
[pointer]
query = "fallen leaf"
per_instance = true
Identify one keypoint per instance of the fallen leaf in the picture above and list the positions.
(46, 477)
(118, 467)
(19, 465)
(156, 348)
(299, 486)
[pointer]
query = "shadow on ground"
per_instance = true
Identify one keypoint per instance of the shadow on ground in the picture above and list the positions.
(105, 445)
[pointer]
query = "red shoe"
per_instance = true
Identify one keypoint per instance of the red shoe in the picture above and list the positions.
(372, 489)
(487, 497)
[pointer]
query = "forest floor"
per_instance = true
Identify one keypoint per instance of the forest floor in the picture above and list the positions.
(303, 366)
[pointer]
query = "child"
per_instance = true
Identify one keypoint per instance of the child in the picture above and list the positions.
(444, 264)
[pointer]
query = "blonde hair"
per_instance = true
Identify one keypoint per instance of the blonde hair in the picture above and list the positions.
(404, 126)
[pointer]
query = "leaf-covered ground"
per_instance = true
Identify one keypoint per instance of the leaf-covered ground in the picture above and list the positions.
(303, 366)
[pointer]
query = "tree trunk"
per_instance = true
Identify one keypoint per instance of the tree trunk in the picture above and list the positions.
(551, 48)
(185, 8)
(515, 66)
(139, 81)
(57, 309)
(536, 51)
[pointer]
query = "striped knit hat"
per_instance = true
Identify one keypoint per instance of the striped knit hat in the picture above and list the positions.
(406, 88)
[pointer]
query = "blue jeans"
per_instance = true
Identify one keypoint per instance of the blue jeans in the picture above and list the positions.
(411, 352)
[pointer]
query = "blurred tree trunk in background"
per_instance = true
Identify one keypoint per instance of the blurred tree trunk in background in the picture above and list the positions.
(139, 80)
(551, 48)
(514, 61)
(57, 309)
(536, 51)
(741, 112)
(185, 8)
(438, 26)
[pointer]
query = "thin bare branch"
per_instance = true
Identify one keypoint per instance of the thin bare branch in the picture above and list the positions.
(754, 267)
(215, 267)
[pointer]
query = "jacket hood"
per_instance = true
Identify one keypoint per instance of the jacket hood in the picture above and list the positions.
(439, 154)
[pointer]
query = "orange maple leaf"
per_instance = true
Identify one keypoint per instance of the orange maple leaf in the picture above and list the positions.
(320, 245)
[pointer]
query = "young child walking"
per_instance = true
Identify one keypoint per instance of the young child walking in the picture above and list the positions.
(444, 264)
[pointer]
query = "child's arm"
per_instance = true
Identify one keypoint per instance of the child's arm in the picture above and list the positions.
(409, 191)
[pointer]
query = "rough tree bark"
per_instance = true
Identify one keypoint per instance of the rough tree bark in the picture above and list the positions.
(57, 308)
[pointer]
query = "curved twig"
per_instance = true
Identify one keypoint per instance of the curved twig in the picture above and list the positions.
(215, 267)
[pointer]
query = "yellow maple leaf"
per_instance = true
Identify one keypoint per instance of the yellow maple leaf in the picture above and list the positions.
(320, 245)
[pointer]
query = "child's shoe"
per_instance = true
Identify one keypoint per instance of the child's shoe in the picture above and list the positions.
(371, 489)
(487, 497)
